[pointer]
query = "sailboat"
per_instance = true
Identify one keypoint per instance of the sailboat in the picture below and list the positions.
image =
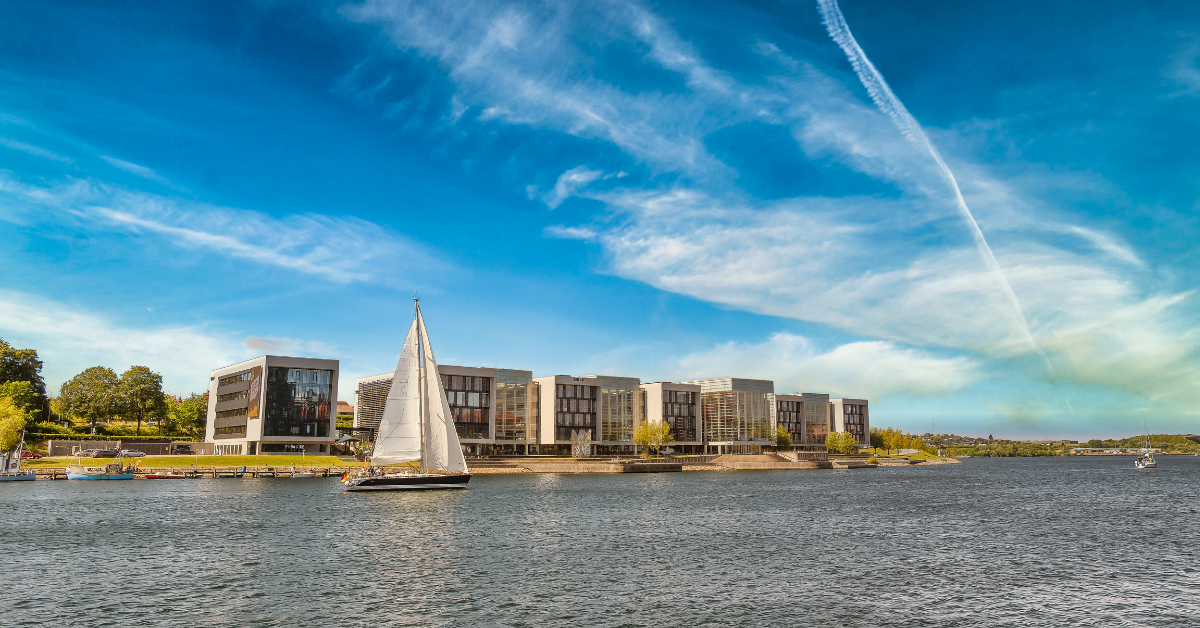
(1146, 460)
(416, 426)
(12, 466)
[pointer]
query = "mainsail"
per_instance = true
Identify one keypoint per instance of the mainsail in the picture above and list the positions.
(399, 437)
(417, 390)
(441, 441)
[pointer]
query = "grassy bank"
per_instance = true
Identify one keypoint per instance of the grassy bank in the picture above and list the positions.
(205, 461)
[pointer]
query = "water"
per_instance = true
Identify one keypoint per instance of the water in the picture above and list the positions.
(1001, 542)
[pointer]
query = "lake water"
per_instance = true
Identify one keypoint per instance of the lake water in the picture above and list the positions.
(1002, 542)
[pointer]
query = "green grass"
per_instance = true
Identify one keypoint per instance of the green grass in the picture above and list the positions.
(204, 461)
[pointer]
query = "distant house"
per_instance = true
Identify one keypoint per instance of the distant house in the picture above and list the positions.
(345, 408)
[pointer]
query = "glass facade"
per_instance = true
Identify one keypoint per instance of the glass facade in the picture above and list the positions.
(618, 397)
(297, 402)
(470, 399)
(680, 411)
(816, 420)
(575, 408)
(854, 418)
(790, 414)
(732, 416)
(512, 406)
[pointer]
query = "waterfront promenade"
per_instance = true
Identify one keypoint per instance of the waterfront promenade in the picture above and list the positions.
(328, 466)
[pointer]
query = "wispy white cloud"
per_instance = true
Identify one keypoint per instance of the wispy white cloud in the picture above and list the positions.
(872, 369)
(132, 168)
(36, 151)
(339, 249)
(70, 339)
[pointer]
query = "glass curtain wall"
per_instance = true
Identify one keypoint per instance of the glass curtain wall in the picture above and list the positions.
(512, 414)
(470, 400)
(853, 419)
(298, 402)
(790, 414)
(736, 416)
(618, 403)
(680, 410)
(575, 408)
(816, 420)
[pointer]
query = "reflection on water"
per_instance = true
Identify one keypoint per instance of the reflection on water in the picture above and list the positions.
(1005, 542)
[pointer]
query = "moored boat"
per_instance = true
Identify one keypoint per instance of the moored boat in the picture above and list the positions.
(111, 471)
(416, 426)
(12, 471)
(1146, 460)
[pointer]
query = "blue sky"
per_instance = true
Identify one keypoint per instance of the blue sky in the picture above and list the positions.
(668, 190)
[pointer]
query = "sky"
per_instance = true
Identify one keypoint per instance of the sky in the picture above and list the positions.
(980, 216)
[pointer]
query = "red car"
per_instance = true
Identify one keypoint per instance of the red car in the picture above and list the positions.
(30, 454)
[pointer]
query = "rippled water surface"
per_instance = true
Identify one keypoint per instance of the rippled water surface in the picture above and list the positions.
(1010, 542)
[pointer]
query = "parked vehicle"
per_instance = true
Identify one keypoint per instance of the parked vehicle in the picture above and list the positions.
(87, 453)
(30, 454)
(183, 450)
(105, 453)
(133, 453)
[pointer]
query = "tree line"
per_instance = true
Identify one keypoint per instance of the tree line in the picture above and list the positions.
(94, 402)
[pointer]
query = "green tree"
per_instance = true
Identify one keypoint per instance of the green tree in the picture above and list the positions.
(92, 396)
(189, 417)
(841, 443)
(22, 365)
(141, 394)
(877, 438)
(653, 435)
(12, 421)
(783, 438)
(23, 396)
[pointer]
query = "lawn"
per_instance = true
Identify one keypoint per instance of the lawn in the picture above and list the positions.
(205, 461)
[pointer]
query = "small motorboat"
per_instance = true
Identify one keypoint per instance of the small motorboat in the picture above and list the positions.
(111, 471)
(304, 474)
(1145, 462)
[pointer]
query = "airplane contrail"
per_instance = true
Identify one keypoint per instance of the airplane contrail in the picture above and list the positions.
(891, 106)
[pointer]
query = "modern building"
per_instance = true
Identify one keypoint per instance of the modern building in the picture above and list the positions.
(273, 405)
(679, 406)
(850, 415)
(491, 406)
(736, 413)
(788, 411)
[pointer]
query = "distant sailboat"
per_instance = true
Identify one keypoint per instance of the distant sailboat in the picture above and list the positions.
(1146, 460)
(416, 426)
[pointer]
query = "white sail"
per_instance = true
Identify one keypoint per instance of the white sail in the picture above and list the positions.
(399, 436)
(441, 441)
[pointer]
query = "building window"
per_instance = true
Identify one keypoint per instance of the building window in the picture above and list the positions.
(225, 414)
(297, 402)
(230, 430)
(234, 379)
(469, 398)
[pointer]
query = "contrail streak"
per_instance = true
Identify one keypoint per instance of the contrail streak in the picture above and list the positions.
(891, 106)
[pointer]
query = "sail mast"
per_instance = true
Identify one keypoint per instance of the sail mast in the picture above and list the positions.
(424, 420)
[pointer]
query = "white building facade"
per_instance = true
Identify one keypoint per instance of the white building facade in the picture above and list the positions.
(851, 415)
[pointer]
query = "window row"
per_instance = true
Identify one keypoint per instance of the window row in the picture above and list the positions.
(679, 409)
(466, 383)
(231, 430)
(575, 405)
(470, 415)
(679, 396)
(471, 399)
(575, 419)
(233, 379)
(225, 414)
(244, 394)
(571, 391)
